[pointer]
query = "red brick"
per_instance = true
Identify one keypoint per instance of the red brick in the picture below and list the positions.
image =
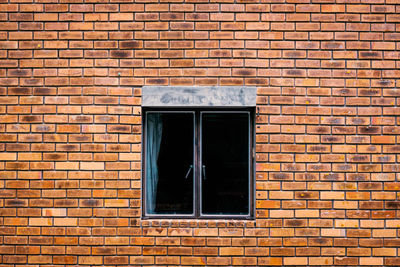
(326, 136)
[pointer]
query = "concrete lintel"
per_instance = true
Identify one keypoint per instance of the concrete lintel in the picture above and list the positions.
(199, 96)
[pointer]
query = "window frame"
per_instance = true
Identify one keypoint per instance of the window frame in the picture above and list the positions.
(197, 158)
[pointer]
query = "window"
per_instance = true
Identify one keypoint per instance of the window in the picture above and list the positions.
(198, 152)
(198, 163)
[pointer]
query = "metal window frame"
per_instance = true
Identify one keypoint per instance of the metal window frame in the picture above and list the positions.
(197, 162)
(201, 164)
(144, 164)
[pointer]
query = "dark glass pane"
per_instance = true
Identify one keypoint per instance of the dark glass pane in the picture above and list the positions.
(169, 157)
(225, 160)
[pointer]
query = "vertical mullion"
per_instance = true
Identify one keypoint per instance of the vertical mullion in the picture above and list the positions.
(197, 165)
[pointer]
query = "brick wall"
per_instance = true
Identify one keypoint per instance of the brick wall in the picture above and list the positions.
(327, 189)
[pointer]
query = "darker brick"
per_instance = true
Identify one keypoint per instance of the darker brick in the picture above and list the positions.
(130, 44)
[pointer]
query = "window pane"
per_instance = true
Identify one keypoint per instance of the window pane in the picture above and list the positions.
(225, 163)
(169, 161)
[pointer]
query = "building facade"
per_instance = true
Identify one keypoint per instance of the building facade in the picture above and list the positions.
(323, 156)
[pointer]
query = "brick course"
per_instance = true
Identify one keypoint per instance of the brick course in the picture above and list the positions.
(327, 178)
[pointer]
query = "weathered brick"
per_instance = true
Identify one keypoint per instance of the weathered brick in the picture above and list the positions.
(326, 130)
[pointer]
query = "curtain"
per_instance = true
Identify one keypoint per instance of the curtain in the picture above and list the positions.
(154, 136)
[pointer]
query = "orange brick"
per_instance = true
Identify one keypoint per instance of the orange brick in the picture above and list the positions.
(326, 134)
(295, 261)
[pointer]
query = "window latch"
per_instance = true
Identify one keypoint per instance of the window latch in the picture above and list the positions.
(188, 172)
(204, 172)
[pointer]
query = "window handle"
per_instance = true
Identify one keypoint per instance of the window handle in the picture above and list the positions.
(204, 172)
(188, 172)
